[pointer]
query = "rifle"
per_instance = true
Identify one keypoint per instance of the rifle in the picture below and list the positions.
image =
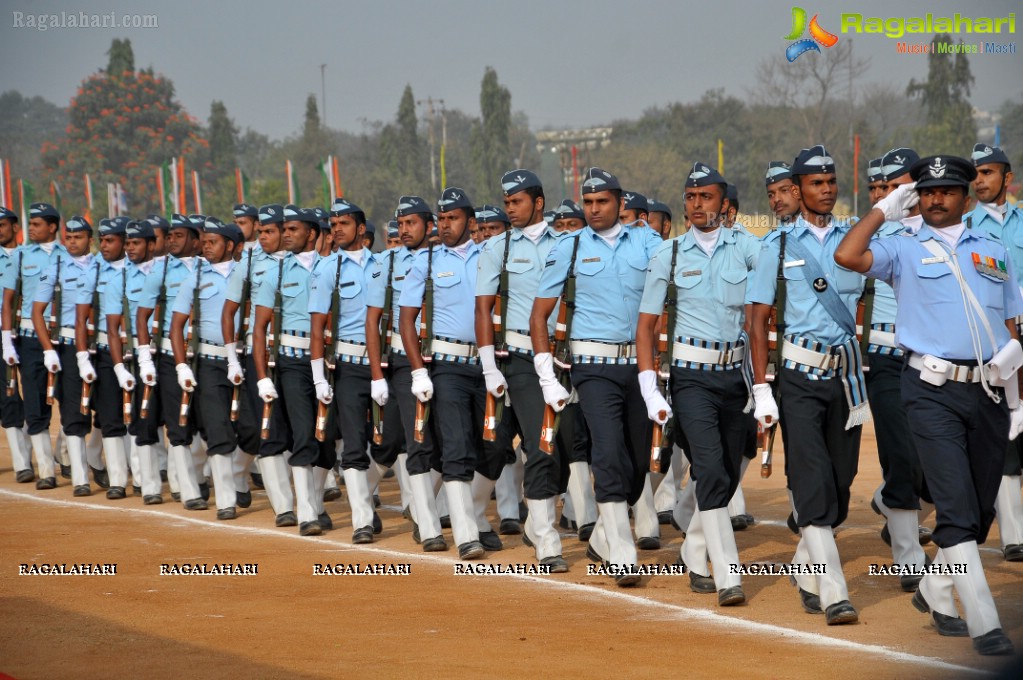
(55, 310)
(127, 339)
(90, 332)
(154, 335)
(767, 447)
(562, 352)
(660, 443)
(385, 342)
(12, 369)
(241, 333)
(425, 329)
(331, 341)
(493, 409)
(191, 344)
(275, 350)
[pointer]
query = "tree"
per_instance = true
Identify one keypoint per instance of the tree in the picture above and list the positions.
(490, 137)
(122, 58)
(222, 135)
(402, 152)
(950, 125)
(1012, 132)
(122, 129)
(25, 123)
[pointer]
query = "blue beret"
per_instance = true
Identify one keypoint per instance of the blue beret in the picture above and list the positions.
(78, 223)
(813, 161)
(984, 154)
(597, 180)
(370, 228)
(229, 231)
(245, 210)
(157, 222)
(549, 216)
(322, 218)
(874, 170)
(732, 194)
(6, 214)
(198, 220)
(113, 227)
(942, 171)
(514, 181)
(272, 213)
(776, 172)
(452, 199)
(702, 175)
(292, 213)
(897, 162)
(567, 209)
(655, 206)
(635, 201)
(179, 221)
(392, 229)
(491, 213)
(139, 229)
(342, 207)
(42, 210)
(412, 205)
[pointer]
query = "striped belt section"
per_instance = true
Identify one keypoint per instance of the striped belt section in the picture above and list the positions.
(882, 340)
(518, 342)
(67, 335)
(212, 350)
(808, 360)
(960, 374)
(352, 352)
(449, 349)
(295, 344)
(27, 329)
(706, 355)
(397, 346)
(598, 352)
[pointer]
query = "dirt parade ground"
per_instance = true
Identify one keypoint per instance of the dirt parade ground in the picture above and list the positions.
(425, 620)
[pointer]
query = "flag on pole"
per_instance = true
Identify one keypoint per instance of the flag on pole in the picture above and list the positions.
(337, 178)
(242, 184)
(328, 181)
(182, 186)
(4, 188)
(721, 157)
(293, 196)
(160, 189)
(25, 200)
(55, 195)
(111, 200)
(88, 198)
(196, 191)
(443, 171)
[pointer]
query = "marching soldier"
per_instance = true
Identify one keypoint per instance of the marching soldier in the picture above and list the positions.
(994, 215)
(509, 272)
(198, 304)
(12, 410)
(636, 209)
(30, 262)
(57, 292)
(393, 237)
(164, 404)
(442, 284)
(93, 355)
(782, 192)
(820, 381)
(707, 268)
(282, 300)
(343, 277)
(492, 221)
(391, 371)
(875, 183)
(957, 300)
(568, 216)
(659, 218)
(243, 283)
(607, 264)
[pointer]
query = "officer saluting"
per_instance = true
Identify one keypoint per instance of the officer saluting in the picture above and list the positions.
(957, 298)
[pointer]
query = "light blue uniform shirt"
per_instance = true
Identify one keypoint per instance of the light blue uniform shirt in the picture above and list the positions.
(108, 273)
(294, 293)
(111, 302)
(73, 278)
(353, 286)
(884, 296)
(609, 281)
(454, 291)
(804, 314)
(711, 288)
(177, 271)
(931, 317)
(525, 266)
(261, 261)
(31, 262)
(212, 287)
(1009, 232)
(377, 293)
(7, 271)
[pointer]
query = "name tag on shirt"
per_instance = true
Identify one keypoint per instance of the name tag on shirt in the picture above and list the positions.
(289, 285)
(135, 290)
(441, 275)
(346, 284)
(933, 260)
(590, 259)
(795, 263)
(399, 278)
(521, 260)
(695, 272)
(205, 285)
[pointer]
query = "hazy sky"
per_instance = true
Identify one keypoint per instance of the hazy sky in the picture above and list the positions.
(567, 63)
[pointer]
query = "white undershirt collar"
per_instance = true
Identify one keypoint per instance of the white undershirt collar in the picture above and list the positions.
(611, 235)
(534, 232)
(707, 240)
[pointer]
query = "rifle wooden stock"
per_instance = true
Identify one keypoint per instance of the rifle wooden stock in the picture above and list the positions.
(490, 418)
(376, 413)
(186, 403)
(12, 380)
(51, 383)
(147, 393)
(766, 440)
(548, 427)
(655, 446)
(422, 415)
(86, 397)
(126, 400)
(264, 427)
(235, 397)
(321, 420)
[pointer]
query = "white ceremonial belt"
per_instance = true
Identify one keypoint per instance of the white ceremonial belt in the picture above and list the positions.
(518, 341)
(957, 373)
(808, 357)
(454, 349)
(587, 348)
(102, 338)
(212, 350)
(27, 325)
(165, 345)
(882, 338)
(681, 351)
(294, 341)
(67, 333)
(350, 349)
(396, 344)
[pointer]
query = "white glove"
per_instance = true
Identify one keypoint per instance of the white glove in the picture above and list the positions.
(266, 389)
(124, 377)
(147, 369)
(657, 408)
(765, 409)
(554, 394)
(235, 375)
(422, 386)
(85, 368)
(496, 384)
(379, 392)
(185, 378)
(10, 354)
(323, 391)
(896, 205)
(51, 360)
(1015, 422)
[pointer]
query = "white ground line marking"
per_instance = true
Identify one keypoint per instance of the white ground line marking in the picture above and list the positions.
(702, 615)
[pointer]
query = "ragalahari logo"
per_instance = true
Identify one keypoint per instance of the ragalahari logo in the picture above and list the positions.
(818, 36)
